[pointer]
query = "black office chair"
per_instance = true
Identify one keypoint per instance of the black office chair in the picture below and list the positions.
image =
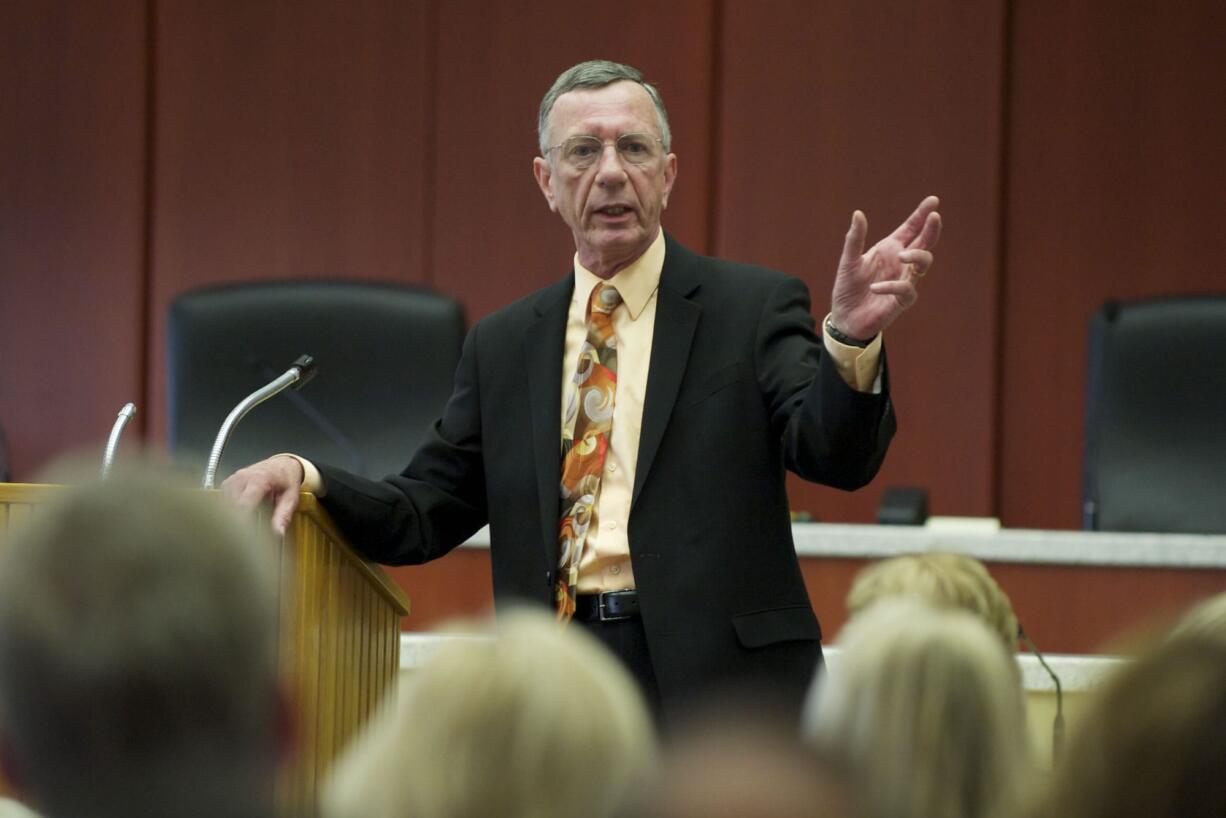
(386, 358)
(1155, 448)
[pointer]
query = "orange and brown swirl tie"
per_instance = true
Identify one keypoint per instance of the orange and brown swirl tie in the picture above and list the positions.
(583, 455)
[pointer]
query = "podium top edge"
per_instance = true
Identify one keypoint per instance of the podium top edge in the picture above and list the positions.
(310, 508)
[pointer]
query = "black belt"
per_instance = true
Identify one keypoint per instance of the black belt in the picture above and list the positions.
(611, 606)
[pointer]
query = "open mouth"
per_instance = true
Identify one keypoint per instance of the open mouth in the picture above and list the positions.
(613, 211)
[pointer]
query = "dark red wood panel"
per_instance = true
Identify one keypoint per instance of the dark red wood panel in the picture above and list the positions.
(1064, 608)
(825, 108)
(72, 157)
(289, 143)
(457, 586)
(394, 140)
(1115, 180)
(496, 239)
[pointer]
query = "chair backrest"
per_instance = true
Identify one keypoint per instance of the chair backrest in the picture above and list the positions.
(386, 357)
(1155, 447)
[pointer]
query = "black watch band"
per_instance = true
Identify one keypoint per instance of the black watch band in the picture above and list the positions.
(838, 335)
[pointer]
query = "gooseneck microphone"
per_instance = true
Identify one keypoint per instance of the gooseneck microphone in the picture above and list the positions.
(297, 376)
(112, 443)
(1057, 725)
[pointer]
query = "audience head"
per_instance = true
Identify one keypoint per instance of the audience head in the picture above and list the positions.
(1153, 744)
(538, 722)
(941, 579)
(137, 654)
(15, 809)
(927, 707)
(729, 763)
(1206, 619)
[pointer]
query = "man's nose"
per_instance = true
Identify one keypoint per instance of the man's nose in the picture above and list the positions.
(610, 167)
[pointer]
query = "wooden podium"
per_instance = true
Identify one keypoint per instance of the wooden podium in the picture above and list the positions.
(339, 635)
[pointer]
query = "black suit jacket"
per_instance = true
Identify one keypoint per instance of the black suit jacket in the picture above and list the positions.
(739, 389)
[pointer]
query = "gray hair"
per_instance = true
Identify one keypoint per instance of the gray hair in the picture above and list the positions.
(598, 74)
(138, 626)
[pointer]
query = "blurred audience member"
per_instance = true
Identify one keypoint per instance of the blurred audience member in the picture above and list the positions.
(942, 579)
(137, 656)
(539, 722)
(742, 766)
(926, 705)
(1153, 744)
(1206, 619)
(15, 809)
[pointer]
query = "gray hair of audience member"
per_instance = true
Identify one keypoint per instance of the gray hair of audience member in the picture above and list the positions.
(942, 579)
(598, 74)
(137, 650)
(538, 722)
(927, 706)
(1153, 742)
(1205, 619)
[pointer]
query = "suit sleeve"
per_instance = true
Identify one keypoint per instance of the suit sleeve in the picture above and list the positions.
(829, 432)
(437, 502)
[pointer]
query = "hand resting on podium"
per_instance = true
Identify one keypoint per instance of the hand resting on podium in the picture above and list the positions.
(278, 480)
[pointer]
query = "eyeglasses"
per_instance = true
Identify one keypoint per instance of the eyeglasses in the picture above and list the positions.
(581, 152)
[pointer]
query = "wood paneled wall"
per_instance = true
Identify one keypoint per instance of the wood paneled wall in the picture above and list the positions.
(836, 106)
(150, 147)
(73, 209)
(1116, 189)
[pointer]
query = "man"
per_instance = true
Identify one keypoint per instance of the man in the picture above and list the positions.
(679, 388)
(138, 672)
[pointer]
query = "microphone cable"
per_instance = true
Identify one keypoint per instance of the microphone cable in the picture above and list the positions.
(318, 419)
(1057, 726)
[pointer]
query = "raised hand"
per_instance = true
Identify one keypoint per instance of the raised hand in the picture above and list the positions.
(872, 289)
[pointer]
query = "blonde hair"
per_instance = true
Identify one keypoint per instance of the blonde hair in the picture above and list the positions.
(1206, 619)
(1153, 741)
(927, 707)
(536, 723)
(942, 579)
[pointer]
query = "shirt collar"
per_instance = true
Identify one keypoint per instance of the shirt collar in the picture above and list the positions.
(636, 283)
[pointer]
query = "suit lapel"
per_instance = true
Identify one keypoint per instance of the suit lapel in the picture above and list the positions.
(676, 320)
(543, 344)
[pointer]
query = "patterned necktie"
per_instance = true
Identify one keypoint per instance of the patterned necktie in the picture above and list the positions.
(583, 455)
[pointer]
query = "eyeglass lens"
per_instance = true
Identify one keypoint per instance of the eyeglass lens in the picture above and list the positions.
(635, 148)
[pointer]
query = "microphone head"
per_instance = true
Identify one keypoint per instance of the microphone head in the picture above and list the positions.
(306, 370)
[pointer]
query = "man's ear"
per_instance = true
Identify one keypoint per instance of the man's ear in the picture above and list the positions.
(670, 176)
(543, 173)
